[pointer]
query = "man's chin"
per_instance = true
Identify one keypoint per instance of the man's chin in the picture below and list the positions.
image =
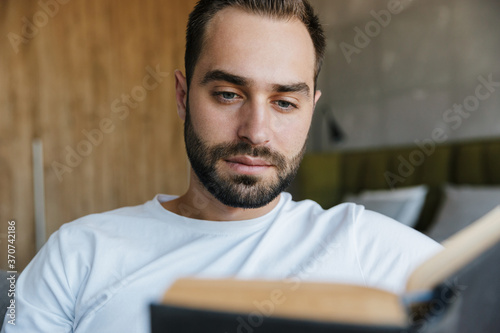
(246, 192)
(247, 203)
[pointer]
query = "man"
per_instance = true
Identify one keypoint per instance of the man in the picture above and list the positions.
(247, 101)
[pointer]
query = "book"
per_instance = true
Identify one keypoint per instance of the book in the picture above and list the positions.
(252, 306)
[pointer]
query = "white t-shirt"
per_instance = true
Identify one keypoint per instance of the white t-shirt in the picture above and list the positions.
(101, 272)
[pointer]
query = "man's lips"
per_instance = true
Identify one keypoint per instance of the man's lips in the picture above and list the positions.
(250, 161)
(248, 165)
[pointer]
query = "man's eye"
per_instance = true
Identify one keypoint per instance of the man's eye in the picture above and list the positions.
(286, 105)
(227, 95)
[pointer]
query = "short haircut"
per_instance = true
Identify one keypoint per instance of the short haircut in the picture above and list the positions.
(205, 10)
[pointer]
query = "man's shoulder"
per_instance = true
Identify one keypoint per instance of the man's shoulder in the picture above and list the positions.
(122, 216)
(312, 214)
(358, 221)
(346, 210)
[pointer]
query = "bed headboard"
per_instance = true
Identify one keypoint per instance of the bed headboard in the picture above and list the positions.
(327, 177)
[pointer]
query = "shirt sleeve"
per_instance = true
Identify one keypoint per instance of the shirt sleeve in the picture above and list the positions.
(45, 298)
(389, 251)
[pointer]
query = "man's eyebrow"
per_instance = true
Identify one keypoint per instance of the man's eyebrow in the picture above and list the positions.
(302, 88)
(218, 75)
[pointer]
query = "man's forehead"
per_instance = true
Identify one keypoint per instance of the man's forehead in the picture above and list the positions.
(257, 48)
(225, 21)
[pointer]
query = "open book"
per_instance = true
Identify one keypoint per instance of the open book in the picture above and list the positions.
(229, 305)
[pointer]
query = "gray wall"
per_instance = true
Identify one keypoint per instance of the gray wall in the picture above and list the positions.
(401, 85)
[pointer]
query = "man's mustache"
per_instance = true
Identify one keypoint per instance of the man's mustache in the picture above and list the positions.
(227, 150)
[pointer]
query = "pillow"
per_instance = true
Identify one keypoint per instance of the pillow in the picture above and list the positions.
(462, 206)
(403, 204)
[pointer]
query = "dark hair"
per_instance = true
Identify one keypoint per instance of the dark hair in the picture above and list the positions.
(205, 10)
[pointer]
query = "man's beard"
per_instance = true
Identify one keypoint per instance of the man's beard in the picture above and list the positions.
(239, 191)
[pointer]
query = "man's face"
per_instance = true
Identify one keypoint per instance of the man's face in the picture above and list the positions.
(251, 101)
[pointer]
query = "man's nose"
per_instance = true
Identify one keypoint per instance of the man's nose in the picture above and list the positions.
(254, 123)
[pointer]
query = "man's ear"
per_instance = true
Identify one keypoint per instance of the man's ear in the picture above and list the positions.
(317, 95)
(181, 94)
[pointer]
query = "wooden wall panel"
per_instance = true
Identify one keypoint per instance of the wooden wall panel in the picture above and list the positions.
(69, 80)
(17, 107)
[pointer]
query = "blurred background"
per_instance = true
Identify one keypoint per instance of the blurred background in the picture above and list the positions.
(73, 74)
(87, 111)
(395, 85)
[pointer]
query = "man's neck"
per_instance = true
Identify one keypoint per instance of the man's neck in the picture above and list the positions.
(200, 204)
